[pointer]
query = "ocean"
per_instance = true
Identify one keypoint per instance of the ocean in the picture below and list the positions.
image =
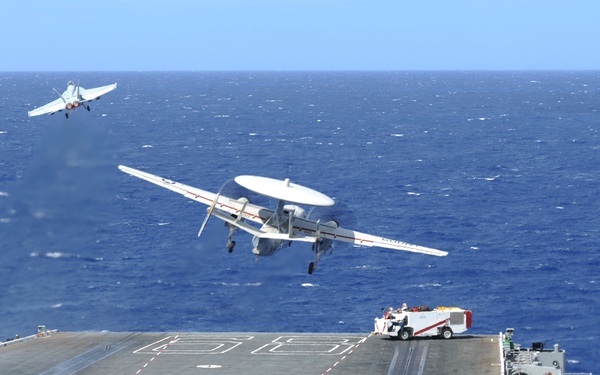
(500, 169)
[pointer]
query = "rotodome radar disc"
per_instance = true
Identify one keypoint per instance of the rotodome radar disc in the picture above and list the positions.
(284, 190)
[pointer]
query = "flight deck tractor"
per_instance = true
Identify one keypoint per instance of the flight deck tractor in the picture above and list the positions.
(422, 321)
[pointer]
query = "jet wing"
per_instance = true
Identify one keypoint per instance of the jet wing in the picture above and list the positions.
(50, 108)
(95, 93)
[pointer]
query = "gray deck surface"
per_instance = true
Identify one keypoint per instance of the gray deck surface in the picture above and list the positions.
(247, 353)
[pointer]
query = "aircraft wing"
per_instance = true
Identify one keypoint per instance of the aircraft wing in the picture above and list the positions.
(52, 107)
(228, 205)
(232, 211)
(95, 93)
(307, 230)
(346, 235)
(311, 228)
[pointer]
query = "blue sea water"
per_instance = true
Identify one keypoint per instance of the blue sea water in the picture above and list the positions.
(500, 169)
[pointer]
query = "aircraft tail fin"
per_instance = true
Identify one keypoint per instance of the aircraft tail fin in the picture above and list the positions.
(59, 94)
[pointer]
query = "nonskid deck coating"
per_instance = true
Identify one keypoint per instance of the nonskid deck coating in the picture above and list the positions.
(149, 353)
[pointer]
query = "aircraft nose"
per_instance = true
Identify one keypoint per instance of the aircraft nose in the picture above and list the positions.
(255, 245)
(263, 246)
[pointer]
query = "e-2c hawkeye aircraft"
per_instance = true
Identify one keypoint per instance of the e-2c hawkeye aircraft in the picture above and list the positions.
(288, 222)
(72, 98)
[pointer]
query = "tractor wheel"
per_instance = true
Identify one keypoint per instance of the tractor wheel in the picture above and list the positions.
(446, 333)
(404, 334)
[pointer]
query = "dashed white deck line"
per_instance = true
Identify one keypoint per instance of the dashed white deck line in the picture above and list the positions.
(362, 341)
(158, 353)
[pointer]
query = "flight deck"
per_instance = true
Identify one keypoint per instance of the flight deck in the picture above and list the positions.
(147, 353)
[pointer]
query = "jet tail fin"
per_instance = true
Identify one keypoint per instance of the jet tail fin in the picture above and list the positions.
(59, 94)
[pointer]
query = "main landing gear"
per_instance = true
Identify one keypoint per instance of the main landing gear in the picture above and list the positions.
(230, 242)
(318, 247)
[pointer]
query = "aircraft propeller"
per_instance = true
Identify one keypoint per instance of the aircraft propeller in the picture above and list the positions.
(212, 207)
(340, 212)
(331, 216)
(208, 214)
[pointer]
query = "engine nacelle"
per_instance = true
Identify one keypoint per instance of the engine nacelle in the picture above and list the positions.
(332, 223)
(297, 211)
(324, 244)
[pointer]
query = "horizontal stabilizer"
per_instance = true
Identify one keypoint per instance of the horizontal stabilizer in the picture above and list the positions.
(259, 233)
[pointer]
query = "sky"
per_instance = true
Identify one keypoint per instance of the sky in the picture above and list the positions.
(299, 35)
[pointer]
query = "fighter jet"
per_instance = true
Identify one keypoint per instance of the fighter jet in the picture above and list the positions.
(73, 97)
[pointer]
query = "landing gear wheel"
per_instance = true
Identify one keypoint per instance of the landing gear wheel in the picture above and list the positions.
(311, 268)
(446, 333)
(230, 246)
